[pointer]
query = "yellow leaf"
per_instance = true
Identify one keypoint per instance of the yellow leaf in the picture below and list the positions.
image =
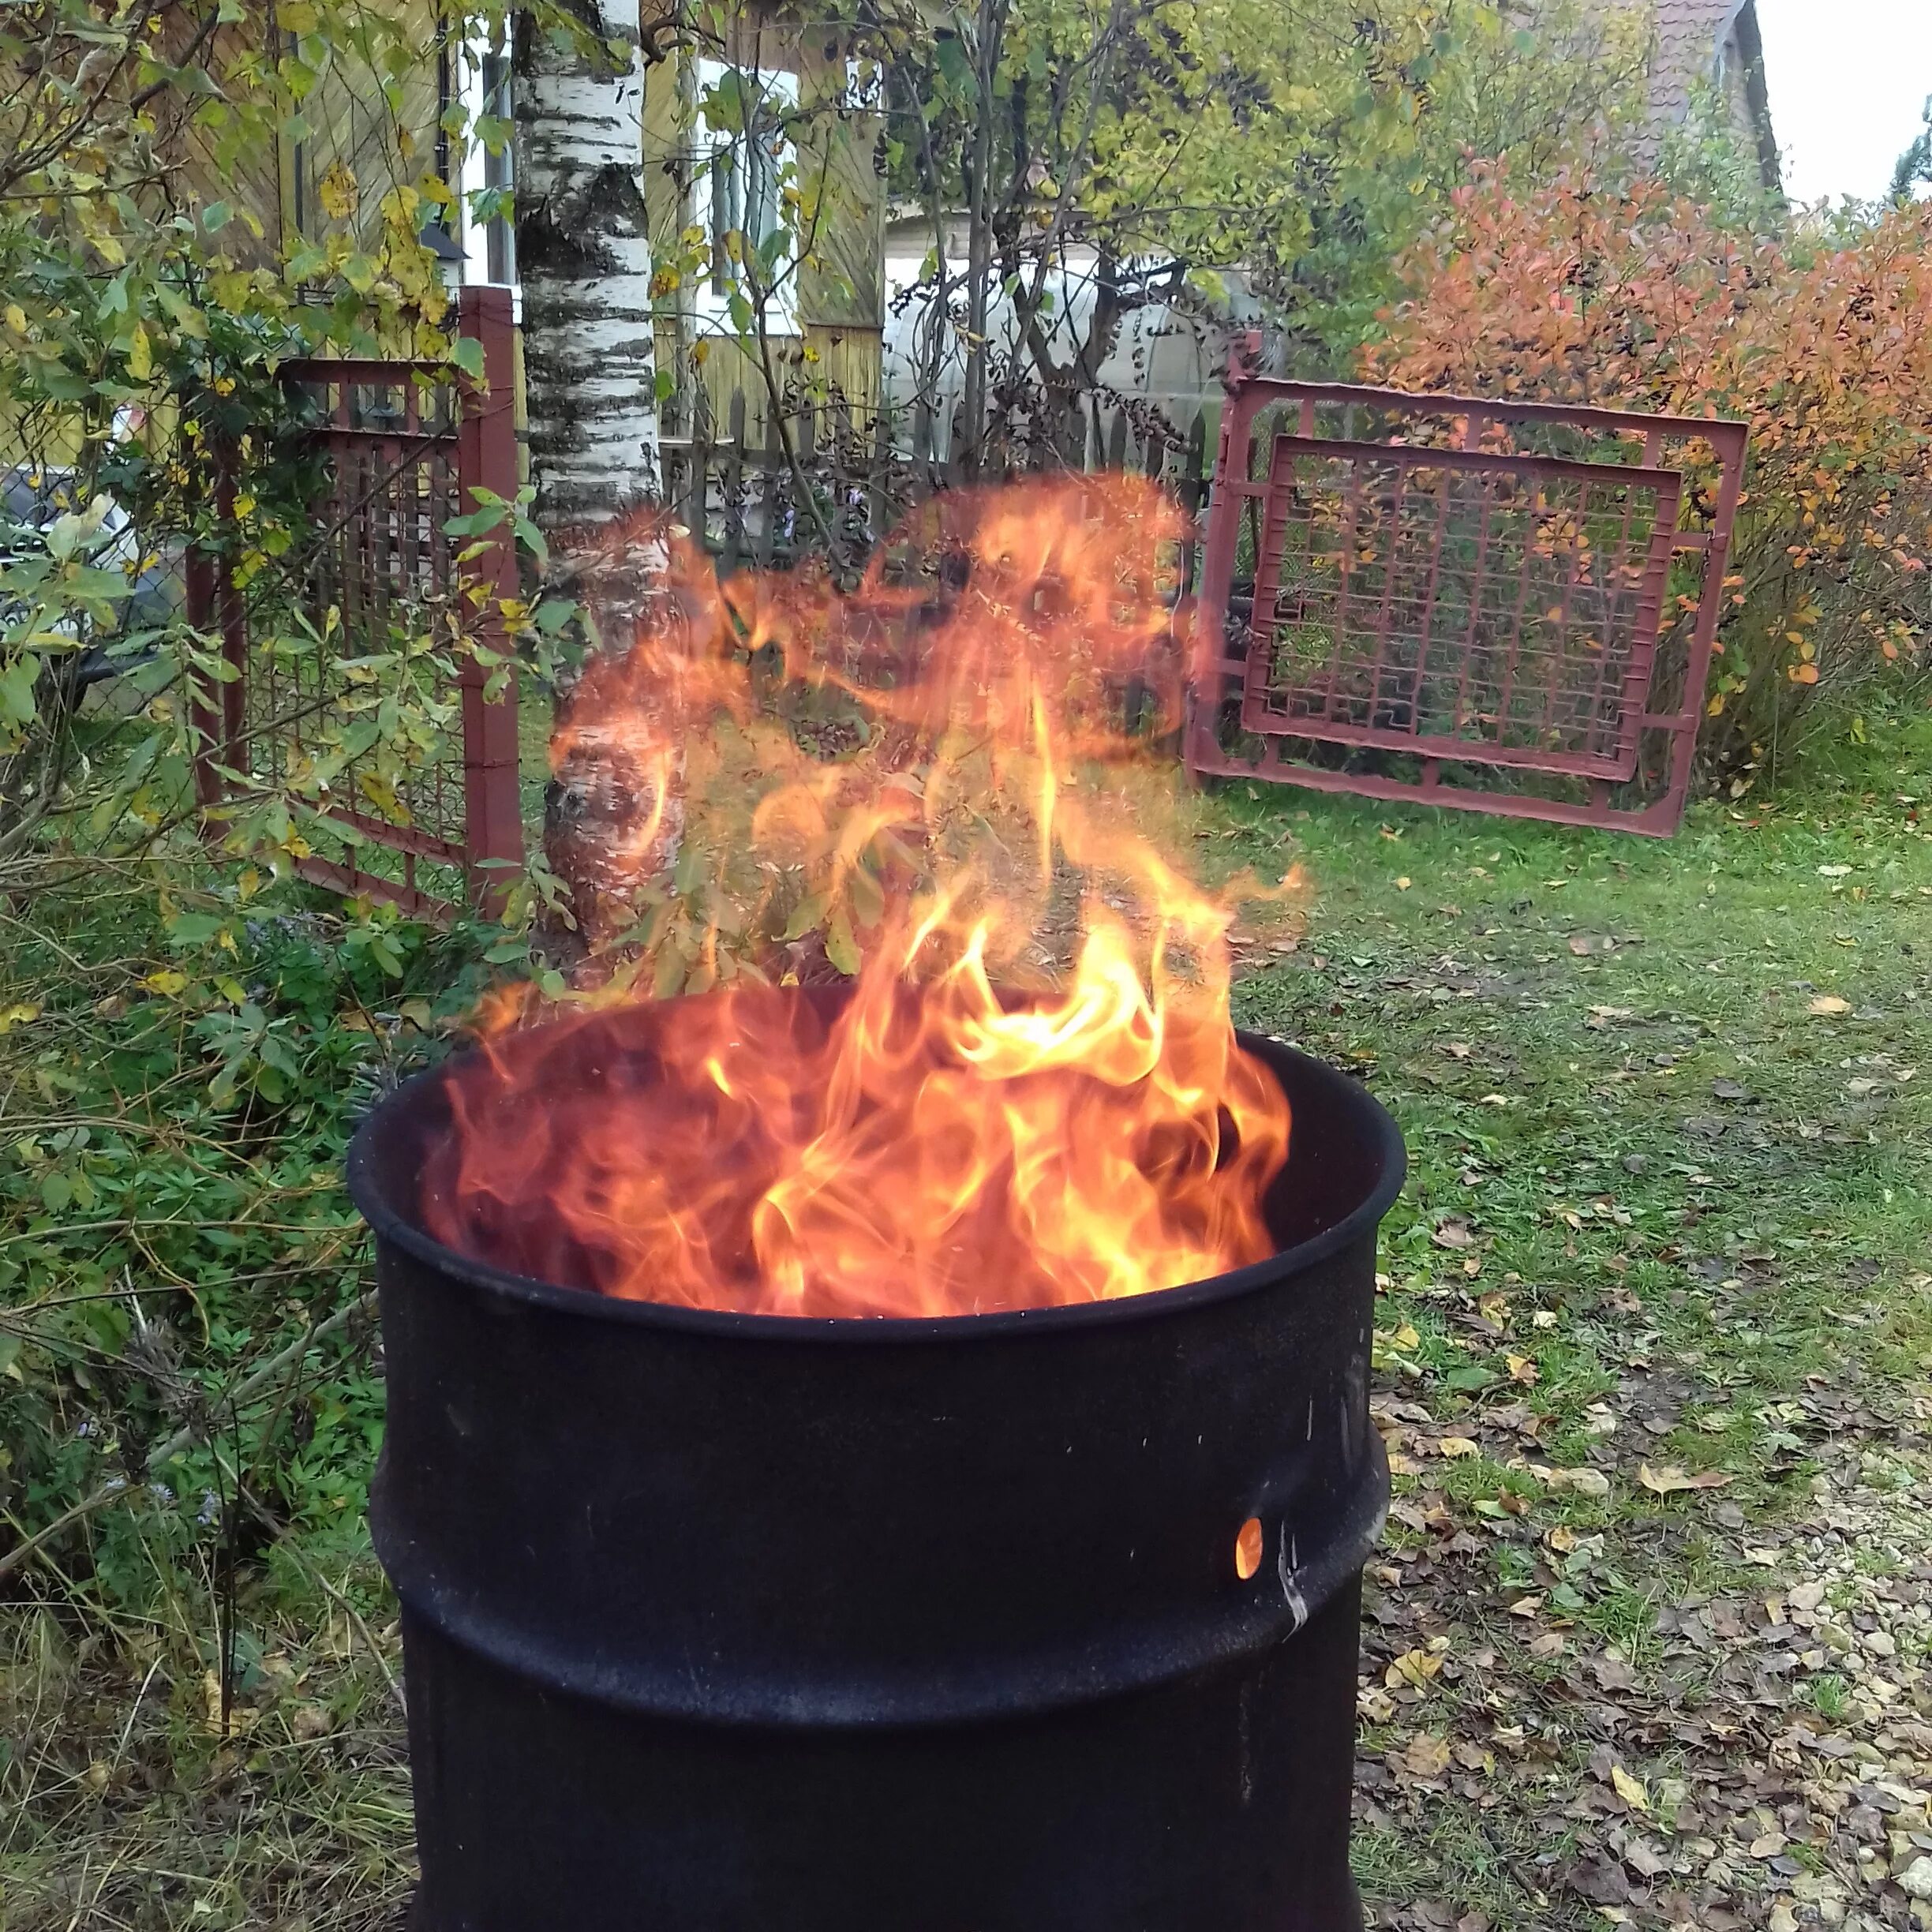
(1629, 1789)
(1589, 1482)
(17, 318)
(338, 193)
(141, 355)
(167, 982)
(20, 1014)
(1668, 1481)
(1523, 1369)
(1830, 1003)
(1413, 1667)
(1452, 1448)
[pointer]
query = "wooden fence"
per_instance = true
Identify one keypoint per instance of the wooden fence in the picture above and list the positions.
(404, 448)
(825, 478)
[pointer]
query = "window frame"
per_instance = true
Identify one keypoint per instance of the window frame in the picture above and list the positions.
(711, 294)
(484, 84)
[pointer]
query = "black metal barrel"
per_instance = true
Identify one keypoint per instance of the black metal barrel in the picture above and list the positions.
(739, 1624)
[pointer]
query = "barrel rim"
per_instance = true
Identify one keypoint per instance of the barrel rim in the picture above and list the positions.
(390, 1225)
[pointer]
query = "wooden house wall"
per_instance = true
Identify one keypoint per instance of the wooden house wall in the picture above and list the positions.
(376, 116)
(841, 292)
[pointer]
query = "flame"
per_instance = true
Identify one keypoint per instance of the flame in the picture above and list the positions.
(960, 1038)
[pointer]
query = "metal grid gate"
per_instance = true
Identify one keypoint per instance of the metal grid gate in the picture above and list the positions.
(404, 446)
(1506, 608)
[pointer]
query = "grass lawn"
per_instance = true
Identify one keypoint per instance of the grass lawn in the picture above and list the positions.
(1647, 1640)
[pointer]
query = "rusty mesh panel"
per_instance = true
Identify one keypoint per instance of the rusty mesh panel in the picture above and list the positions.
(382, 563)
(1459, 605)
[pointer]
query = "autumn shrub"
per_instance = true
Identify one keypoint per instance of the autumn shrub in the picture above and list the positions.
(1631, 297)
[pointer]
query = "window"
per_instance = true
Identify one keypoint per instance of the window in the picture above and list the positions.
(748, 160)
(488, 245)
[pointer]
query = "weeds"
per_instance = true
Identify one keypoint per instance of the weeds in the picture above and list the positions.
(1668, 1213)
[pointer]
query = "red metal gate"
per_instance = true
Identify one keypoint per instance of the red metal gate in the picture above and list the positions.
(405, 446)
(1501, 607)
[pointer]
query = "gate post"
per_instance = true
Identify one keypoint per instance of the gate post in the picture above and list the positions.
(487, 459)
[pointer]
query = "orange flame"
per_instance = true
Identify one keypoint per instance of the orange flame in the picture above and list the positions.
(1030, 1092)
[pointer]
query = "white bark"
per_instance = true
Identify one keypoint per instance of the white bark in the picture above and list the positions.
(583, 254)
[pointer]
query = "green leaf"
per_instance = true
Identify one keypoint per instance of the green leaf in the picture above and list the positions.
(868, 897)
(669, 980)
(688, 873)
(466, 353)
(841, 947)
(806, 916)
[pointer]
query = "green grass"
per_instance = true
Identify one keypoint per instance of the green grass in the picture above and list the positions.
(1697, 1200)
(1661, 1213)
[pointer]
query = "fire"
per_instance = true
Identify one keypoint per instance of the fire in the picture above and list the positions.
(961, 1037)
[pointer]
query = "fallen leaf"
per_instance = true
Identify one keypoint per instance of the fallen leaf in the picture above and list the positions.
(1834, 871)
(1454, 1233)
(1426, 1757)
(1523, 1369)
(1667, 1480)
(1589, 1482)
(1830, 1003)
(1632, 1790)
(311, 1722)
(1415, 1667)
(1453, 1448)
(1644, 1861)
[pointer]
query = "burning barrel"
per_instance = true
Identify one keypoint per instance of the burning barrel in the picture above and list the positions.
(1043, 1618)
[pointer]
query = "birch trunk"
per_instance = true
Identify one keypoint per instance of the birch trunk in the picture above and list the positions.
(584, 258)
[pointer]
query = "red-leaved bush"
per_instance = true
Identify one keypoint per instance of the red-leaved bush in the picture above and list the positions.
(1629, 297)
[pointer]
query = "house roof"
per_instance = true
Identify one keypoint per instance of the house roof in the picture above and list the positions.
(1711, 40)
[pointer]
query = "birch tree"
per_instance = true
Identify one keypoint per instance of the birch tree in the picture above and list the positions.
(584, 256)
